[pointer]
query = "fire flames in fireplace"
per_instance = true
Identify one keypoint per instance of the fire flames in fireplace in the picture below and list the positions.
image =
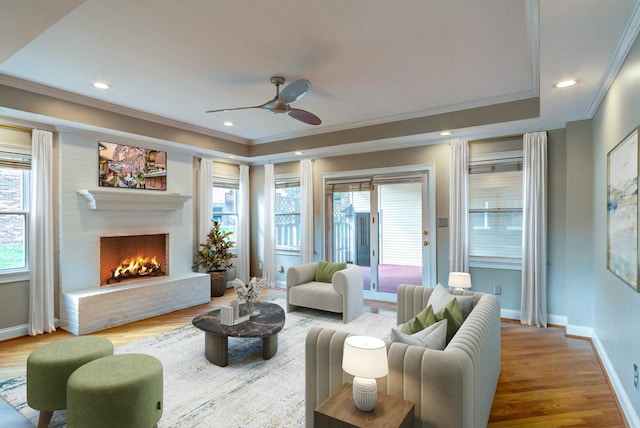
(136, 267)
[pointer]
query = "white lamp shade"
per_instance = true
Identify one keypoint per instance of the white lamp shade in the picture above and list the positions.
(459, 280)
(365, 356)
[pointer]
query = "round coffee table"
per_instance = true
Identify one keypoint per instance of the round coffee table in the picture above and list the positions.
(266, 326)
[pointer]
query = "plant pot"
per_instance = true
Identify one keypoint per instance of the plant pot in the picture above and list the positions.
(218, 282)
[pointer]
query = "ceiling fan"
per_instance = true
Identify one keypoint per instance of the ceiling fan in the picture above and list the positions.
(280, 103)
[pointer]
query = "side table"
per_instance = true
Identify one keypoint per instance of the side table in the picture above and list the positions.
(339, 411)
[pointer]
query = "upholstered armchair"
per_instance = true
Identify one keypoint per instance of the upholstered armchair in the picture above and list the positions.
(308, 287)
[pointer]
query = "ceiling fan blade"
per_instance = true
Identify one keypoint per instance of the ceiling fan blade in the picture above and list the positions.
(294, 91)
(304, 116)
(229, 109)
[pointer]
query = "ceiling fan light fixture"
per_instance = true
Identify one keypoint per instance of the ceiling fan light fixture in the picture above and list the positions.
(280, 103)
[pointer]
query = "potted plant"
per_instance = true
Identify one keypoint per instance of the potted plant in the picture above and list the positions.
(215, 256)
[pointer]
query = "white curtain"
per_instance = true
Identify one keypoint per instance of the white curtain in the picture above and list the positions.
(459, 207)
(306, 212)
(205, 198)
(242, 264)
(533, 309)
(41, 275)
(268, 227)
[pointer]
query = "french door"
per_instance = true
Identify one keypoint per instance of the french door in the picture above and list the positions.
(382, 223)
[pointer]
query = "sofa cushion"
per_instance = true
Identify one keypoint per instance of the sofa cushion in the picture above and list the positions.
(440, 296)
(451, 312)
(325, 270)
(432, 337)
(425, 318)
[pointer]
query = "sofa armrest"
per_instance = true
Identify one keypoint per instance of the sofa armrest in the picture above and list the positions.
(411, 300)
(349, 283)
(322, 367)
(301, 274)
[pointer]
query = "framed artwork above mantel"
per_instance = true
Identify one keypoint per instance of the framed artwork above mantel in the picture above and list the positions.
(622, 210)
(130, 167)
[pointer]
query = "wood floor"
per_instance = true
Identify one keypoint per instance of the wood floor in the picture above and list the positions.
(547, 379)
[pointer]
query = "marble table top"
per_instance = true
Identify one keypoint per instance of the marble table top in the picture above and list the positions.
(269, 322)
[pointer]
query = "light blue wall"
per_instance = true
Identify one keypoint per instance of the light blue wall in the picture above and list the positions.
(558, 239)
(616, 306)
(579, 257)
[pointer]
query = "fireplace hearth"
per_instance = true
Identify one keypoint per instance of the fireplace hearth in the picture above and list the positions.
(131, 257)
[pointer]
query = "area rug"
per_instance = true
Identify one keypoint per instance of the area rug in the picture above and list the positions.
(249, 392)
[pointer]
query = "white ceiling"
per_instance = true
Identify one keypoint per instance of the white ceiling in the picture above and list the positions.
(368, 61)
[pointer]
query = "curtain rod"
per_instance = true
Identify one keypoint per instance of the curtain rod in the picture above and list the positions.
(506, 137)
(15, 127)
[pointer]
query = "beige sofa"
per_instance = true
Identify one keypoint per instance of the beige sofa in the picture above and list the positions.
(452, 388)
(342, 295)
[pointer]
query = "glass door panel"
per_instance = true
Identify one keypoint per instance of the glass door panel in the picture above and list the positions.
(399, 235)
(381, 224)
(350, 230)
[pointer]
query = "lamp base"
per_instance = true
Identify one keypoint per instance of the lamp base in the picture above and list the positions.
(365, 393)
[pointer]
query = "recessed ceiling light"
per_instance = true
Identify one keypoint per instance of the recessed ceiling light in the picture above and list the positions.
(232, 157)
(297, 153)
(228, 123)
(445, 133)
(101, 85)
(565, 83)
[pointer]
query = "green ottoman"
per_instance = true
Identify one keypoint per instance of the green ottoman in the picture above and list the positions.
(121, 391)
(49, 367)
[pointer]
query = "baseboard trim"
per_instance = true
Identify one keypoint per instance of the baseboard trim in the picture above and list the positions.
(623, 398)
(580, 331)
(20, 330)
(13, 332)
(513, 314)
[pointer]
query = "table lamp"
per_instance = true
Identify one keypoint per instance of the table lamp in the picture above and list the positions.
(459, 280)
(365, 358)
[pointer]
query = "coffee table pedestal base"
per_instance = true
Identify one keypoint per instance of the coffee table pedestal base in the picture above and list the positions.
(216, 348)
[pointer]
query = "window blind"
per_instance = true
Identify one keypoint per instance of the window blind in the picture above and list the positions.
(495, 208)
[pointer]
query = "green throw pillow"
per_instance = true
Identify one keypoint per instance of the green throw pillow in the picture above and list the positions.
(424, 319)
(452, 313)
(325, 270)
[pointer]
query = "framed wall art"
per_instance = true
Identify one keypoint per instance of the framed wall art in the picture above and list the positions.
(131, 167)
(622, 210)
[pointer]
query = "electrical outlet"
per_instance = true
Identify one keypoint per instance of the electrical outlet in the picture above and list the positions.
(636, 384)
(497, 289)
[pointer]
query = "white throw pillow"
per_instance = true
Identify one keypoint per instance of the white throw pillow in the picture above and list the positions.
(440, 296)
(432, 337)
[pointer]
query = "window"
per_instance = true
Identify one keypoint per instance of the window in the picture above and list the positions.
(14, 214)
(287, 214)
(225, 204)
(495, 207)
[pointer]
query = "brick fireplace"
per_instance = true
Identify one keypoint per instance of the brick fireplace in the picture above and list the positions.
(89, 213)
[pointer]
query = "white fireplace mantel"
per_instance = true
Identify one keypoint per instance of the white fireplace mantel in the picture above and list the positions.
(132, 200)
